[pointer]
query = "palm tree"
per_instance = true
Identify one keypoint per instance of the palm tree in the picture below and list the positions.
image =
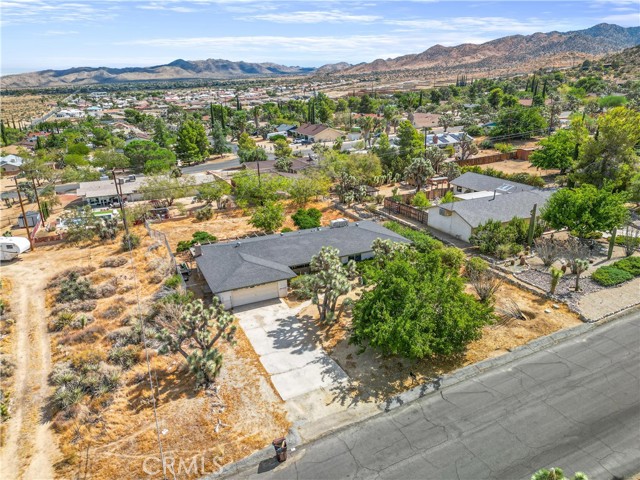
(255, 112)
(367, 124)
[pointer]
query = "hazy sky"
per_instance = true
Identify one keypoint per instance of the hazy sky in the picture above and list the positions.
(41, 34)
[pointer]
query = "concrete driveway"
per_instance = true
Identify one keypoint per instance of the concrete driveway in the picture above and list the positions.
(311, 383)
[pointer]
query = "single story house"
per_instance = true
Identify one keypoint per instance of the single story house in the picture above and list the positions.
(257, 269)
(10, 164)
(475, 182)
(450, 138)
(284, 128)
(317, 132)
(460, 219)
(33, 217)
(103, 193)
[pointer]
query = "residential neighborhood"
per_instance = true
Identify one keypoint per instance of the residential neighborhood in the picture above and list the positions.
(406, 272)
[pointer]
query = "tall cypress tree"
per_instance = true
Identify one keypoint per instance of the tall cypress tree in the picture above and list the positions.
(238, 105)
(3, 134)
(212, 116)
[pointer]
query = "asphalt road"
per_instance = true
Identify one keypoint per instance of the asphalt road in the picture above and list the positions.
(574, 406)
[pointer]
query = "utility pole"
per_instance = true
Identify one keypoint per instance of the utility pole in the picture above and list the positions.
(532, 225)
(121, 202)
(424, 132)
(38, 200)
(24, 215)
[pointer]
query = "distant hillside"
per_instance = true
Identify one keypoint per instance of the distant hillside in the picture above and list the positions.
(626, 64)
(176, 70)
(516, 52)
(332, 68)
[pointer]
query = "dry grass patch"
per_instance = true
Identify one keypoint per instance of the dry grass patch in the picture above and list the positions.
(231, 224)
(110, 434)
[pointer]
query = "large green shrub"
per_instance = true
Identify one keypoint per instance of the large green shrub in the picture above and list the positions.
(610, 275)
(198, 237)
(629, 264)
(307, 218)
(422, 241)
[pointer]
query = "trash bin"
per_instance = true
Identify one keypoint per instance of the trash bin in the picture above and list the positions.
(280, 445)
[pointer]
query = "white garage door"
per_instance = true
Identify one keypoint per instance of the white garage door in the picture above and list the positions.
(254, 294)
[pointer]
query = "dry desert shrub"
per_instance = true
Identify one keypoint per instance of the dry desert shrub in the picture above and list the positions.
(114, 262)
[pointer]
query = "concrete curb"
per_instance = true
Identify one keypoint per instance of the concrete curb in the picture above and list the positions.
(293, 439)
(464, 373)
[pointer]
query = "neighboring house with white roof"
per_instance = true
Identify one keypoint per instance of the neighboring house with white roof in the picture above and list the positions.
(11, 164)
(484, 198)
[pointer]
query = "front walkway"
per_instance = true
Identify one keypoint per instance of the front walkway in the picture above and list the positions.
(310, 382)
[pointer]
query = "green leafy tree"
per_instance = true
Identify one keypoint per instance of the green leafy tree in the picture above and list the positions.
(419, 171)
(213, 192)
(303, 189)
(281, 149)
(418, 309)
(192, 144)
(141, 152)
(519, 120)
(161, 134)
(194, 331)
(110, 159)
(254, 155)
(268, 217)
(586, 210)
(251, 190)
(166, 188)
(495, 97)
(557, 152)
(610, 157)
(410, 145)
(219, 144)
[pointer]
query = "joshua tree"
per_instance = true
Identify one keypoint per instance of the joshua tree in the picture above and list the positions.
(581, 266)
(193, 330)
(556, 275)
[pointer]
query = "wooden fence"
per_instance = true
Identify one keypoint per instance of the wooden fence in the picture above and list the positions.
(408, 211)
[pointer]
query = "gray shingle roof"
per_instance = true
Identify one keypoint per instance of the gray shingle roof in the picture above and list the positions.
(477, 182)
(503, 208)
(258, 260)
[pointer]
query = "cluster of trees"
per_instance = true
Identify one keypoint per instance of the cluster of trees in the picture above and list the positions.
(417, 306)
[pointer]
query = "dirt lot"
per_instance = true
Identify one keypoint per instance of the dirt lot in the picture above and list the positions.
(376, 377)
(232, 224)
(520, 166)
(110, 436)
(24, 108)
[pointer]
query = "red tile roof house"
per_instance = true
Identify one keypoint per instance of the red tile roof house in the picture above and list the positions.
(318, 132)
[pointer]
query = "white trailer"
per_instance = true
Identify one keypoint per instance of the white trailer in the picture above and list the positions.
(11, 247)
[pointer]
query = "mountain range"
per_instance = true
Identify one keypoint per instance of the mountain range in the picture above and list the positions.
(513, 53)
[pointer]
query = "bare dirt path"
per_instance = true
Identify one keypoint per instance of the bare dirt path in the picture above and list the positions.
(30, 449)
